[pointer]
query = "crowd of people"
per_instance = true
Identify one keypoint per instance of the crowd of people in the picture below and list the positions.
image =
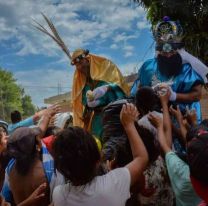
(145, 145)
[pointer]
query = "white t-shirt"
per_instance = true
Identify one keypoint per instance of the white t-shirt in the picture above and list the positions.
(112, 189)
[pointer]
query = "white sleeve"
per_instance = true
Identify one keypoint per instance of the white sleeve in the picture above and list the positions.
(196, 64)
(57, 179)
(57, 196)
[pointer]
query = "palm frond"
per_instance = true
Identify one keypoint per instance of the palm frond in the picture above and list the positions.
(54, 35)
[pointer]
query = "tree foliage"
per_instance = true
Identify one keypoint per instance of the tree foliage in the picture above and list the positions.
(192, 14)
(12, 97)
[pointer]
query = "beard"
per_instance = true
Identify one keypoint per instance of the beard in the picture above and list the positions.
(169, 66)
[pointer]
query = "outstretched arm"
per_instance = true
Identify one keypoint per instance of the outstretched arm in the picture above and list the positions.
(128, 117)
(158, 123)
(193, 96)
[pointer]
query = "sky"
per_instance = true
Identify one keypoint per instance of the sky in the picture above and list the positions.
(115, 29)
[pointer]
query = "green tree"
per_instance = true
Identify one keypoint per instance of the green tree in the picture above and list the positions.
(28, 107)
(12, 96)
(193, 17)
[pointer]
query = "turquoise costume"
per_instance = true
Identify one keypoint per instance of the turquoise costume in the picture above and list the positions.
(149, 75)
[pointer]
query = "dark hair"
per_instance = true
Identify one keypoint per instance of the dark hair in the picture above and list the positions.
(204, 123)
(150, 142)
(116, 145)
(22, 146)
(24, 161)
(197, 151)
(194, 131)
(76, 155)
(147, 100)
(16, 116)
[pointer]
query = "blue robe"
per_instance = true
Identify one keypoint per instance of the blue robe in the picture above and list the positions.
(149, 75)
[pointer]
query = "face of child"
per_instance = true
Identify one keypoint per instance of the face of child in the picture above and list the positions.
(3, 140)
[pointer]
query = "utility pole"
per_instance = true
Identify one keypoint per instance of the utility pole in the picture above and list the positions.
(59, 88)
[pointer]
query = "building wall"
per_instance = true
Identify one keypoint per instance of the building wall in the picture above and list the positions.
(204, 104)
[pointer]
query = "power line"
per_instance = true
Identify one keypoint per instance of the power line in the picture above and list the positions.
(41, 86)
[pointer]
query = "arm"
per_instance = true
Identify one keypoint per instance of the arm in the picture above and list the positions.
(48, 113)
(177, 114)
(35, 196)
(164, 99)
(128, 116)
(158, 123)
(193, 96)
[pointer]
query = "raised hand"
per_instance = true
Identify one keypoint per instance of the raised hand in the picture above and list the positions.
(155, 120)
(129, 114)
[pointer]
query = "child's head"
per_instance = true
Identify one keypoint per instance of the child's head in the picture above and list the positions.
(3, 139)
(76, 155)
(16, 116)
(197, 150)
(147, 100)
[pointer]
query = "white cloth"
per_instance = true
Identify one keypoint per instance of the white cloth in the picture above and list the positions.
(100, 91)
(112, 189)
(196, 64)
(144, 122)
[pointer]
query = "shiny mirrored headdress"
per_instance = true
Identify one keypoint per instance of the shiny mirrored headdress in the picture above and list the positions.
(168, 35)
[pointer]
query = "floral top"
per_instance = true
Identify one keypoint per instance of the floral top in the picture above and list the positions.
(156, 189)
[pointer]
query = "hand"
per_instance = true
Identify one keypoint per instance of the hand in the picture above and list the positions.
(173, 95)
(94, 103)
(128, 115)
(37, 195)
(89, 96)
(52, 110)
(155, 120)
(100, 91)
(164, 93)
(176, 113)
(191, 116)
(3, 202)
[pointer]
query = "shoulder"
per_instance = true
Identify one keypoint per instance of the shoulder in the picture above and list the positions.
(177, 166)
(148, 65)
(119, 176)
(58, 196)
(149, 62)
(188, 71)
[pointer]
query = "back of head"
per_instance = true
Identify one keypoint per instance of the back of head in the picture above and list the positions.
(195, 131)
(4, 126)
(150, 142)
(16, 116)
(147, 100)
(22, 147)
(197, 151)
(115, 141)
(76, 155)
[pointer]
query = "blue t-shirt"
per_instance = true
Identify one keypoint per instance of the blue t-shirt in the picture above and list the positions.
(24, 123)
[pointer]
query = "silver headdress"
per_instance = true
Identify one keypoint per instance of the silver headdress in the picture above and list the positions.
(168, 35)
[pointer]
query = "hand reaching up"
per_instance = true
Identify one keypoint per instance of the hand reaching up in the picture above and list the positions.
(176, 113)
(155, 120)
(53, 109)
(191, 116)
(128, 115)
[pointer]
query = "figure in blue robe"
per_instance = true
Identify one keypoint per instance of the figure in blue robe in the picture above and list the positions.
(149, 75)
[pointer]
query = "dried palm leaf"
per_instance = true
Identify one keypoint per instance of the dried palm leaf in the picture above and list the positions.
(55, 35)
